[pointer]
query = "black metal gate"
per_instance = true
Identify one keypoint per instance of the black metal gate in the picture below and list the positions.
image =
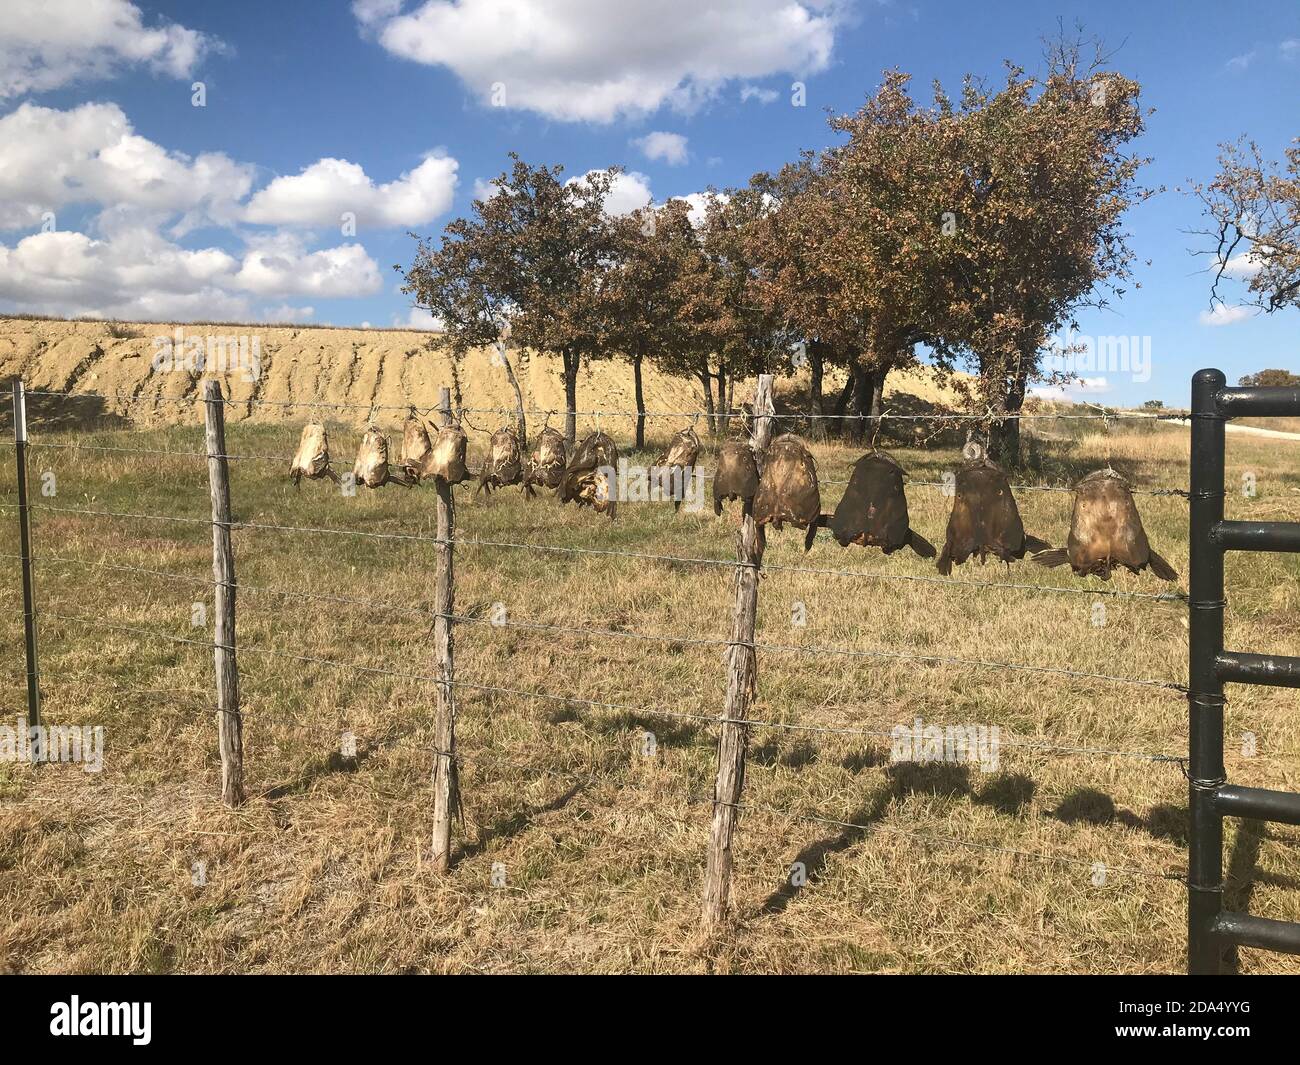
(1210, 928)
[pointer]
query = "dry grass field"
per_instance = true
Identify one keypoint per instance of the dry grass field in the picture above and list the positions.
(942, 868)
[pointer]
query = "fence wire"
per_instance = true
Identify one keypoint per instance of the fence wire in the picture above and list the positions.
(585, 631)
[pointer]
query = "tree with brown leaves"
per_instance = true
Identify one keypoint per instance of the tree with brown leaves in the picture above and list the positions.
(534, 255)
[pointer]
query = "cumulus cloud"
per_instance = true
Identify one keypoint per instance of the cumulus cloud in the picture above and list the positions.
(669, 148)
(592, 60)
(419, 318)
(138, 273)
(285, 314)
(128, 262)
(629, 191)
(45, 44)
(91, 154)
(1225, 314)
(699, 204)
(343, 271)
(324, 191)
(755, 92)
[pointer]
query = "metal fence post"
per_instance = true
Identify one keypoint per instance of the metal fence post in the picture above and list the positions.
(25, 550)
(1205, 699)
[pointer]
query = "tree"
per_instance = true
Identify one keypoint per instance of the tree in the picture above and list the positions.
(451, 281)
(732, 325)
(796, 281)
(1039, 181)
(888, 187)
(644, 294)
(1271, 379)
(1256, 216)
(537, 252)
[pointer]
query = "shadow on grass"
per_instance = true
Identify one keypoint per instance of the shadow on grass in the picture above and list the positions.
(1092, 807)
(514, 824)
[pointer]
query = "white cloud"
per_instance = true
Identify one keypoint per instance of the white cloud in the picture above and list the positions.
(91, 154)
(287, 314)
(699, 204)
(137, 276)
(1239, 63)
(1223, 314)
(331, 272)
(629, 191)
(1290, 48)
(418, 318)
(666, 147)
(755, 92)
(593, 60)
(45, 44)
(1243, 267)
(322, 192)
(128, 262)
(137, 273)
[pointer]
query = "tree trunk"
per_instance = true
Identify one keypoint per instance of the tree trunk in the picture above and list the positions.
(863, 387)
(570, 397)
(640, 400)
(521, 423)
(706, 379)
(842, 403)
(1004, 432)
(817, 369)
(731, 396)
(877, 400)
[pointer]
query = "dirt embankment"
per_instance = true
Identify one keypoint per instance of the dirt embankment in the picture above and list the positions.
(294, 364)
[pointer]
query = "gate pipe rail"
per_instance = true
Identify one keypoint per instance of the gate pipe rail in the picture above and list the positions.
(1210, 928)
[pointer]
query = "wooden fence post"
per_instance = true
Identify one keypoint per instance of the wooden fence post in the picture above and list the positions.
(741, 673)
(445, 777)
(230, 725)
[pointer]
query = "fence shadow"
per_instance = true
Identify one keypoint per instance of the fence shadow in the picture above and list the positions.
(1092, 807)
(514, 824)
(85, 411)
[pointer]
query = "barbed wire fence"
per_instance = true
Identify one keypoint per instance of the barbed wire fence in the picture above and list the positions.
(733, 726)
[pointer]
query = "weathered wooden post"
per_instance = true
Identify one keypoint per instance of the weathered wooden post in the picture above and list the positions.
(445, 777)
(29, 584)
(741, 673)
(230, 725)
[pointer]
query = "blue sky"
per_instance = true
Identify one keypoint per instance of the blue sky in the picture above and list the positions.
(119, 197)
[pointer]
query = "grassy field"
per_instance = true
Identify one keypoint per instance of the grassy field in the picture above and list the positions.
(326, 867)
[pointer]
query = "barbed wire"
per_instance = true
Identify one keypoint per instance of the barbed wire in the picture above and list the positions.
(154, 451)
(805, 415)
(514, 412)
(703, 475)
(775, 567)
(627, 708)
